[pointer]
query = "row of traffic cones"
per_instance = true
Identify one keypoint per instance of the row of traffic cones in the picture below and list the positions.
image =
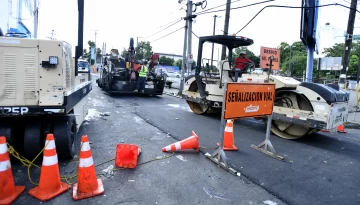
(50, 185)
(192, 142)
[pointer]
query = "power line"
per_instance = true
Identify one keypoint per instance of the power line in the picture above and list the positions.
(240, 7)
(292, 7)
(195, 34)
(167, 34)
(216, 7)
(164, 29)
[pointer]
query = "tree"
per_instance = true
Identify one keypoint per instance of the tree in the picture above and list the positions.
(298, 58)
(166, 61)
(124, 52)
(353, 65)
(143, 50)
(337, 50)
(91, 43)
(178, 63)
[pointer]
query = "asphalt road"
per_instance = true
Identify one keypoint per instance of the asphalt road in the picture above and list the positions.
(185, 178)
(319, 169)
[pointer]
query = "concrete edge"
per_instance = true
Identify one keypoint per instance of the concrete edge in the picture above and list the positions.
(171, 94)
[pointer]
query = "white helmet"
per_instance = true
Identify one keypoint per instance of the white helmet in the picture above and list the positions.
(243, 52)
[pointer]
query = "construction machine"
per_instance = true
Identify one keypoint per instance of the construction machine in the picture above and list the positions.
(300, 108)
(119, 76)
(41, 92)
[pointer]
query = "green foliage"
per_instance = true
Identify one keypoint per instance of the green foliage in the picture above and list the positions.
(178, 63)
(295, 64)
(91, 43)
(166, 61)
(123, 53)
(336, 51)
(353, 65)
(143, 50)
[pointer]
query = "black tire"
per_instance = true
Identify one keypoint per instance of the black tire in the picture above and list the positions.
(33, 139)
(65, 133)
(7, 130)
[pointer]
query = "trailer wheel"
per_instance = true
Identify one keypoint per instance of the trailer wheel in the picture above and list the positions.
(6, 130)
(33, 139)
(65, 133)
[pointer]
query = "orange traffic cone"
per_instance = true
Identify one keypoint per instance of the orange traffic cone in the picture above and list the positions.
(229, 136)
(88, 185)
(341, 128)
(127, 155)
(50, 185)
(188, 143)
(8, 191)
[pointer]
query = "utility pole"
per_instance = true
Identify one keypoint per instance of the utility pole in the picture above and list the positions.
(95, 47)
(226, 27)
(36, 18)
(189, 18)
(52, 35)
(184, 57)
(212, 49)
(348, 42)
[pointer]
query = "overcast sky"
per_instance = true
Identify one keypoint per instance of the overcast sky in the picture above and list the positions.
(119, 20)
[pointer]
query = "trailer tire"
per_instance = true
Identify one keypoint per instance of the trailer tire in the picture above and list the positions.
(65, 133)
(33, 139)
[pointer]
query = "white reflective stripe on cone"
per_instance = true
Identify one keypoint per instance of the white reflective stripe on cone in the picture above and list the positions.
(177, 145)
(3, 148)
(50, 144)
(5, 165)
(87, 162)
(228, 129)
(168, 148)
(49, 161)
(85, 146)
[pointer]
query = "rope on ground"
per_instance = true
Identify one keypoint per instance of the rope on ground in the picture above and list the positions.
(29, 163)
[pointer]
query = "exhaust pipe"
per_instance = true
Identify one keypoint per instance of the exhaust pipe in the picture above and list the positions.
(216, 104)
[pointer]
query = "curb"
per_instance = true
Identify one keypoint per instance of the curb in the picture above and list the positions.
(172, 95)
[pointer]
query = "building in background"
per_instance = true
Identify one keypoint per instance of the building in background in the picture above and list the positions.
(17, 16)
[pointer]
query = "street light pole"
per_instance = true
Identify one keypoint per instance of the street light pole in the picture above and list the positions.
(137, 41)
(212, 49)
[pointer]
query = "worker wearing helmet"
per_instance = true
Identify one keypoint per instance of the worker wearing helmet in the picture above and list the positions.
(140, 85)
(241, 63)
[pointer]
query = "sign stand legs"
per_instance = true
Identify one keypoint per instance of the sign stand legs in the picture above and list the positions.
(219, 157)
(268, 148)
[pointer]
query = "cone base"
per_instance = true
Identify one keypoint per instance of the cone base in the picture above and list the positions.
(10, 199)
(232, 148)
(45, 196)
(78, 196)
